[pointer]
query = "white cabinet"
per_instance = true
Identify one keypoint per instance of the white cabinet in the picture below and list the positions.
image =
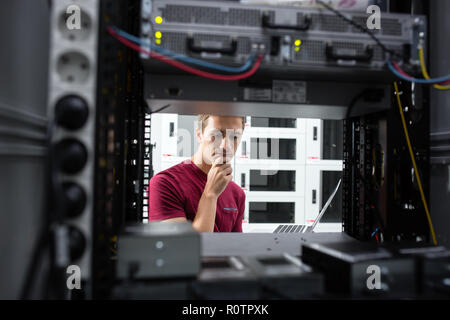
(313, 140)
(271, 148)
(278, 209)
(272, 183)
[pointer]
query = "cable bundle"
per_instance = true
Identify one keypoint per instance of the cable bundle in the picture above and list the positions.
(168, 57)
(395, 69)
(438, 83)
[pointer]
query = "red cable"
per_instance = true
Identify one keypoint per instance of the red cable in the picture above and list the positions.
(408, 76)
(400, 70)
(209, 75)
(185, 67)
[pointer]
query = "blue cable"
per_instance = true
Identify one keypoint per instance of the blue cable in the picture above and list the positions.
(184, 58)
(431, 81)
(374, 232)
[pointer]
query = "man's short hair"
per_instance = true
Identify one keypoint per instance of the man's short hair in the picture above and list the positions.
(203, 119)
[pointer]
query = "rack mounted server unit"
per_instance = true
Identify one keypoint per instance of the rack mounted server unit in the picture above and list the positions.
(291, 76)
(227, 32)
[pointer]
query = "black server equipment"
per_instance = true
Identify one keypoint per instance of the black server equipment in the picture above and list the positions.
(381, 196)
(362, 270)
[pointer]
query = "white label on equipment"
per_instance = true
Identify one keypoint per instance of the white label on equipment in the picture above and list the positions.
(257, 94)
(289, 91)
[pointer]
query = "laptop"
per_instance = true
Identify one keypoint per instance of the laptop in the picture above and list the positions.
(296, 228)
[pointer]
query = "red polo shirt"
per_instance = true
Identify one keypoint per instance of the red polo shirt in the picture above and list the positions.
(175, 192)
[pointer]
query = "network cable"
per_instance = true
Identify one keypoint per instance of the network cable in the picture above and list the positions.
(186, 68)
(413, 160)
(425, 72)
(407, 76)
(402, 75)
(184, 58)
(374, 233)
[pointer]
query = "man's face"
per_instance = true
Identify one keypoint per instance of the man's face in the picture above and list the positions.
(220, 138)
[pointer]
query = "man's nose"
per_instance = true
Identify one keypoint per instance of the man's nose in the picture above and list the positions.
(223, 144)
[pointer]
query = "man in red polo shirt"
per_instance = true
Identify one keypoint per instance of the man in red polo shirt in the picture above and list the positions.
(200, 189)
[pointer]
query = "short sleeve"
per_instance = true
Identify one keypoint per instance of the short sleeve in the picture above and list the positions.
(238, 223)
(164, 202)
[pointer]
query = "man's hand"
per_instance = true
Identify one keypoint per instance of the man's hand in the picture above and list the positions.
(218, 177)
(217, 180)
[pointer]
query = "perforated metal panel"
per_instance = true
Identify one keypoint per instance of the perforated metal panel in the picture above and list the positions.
(391, 27)
(312, 50)
(191, 14)
(211, 15)
(244, 45)
(242, 17)
(174, 41)
(328, 23)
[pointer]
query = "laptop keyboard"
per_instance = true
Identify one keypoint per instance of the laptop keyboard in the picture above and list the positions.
(289, 228)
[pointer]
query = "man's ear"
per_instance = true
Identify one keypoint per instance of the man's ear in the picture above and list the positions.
(198, 135)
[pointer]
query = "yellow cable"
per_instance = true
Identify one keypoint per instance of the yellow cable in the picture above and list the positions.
(425, 73)
(416, 172)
